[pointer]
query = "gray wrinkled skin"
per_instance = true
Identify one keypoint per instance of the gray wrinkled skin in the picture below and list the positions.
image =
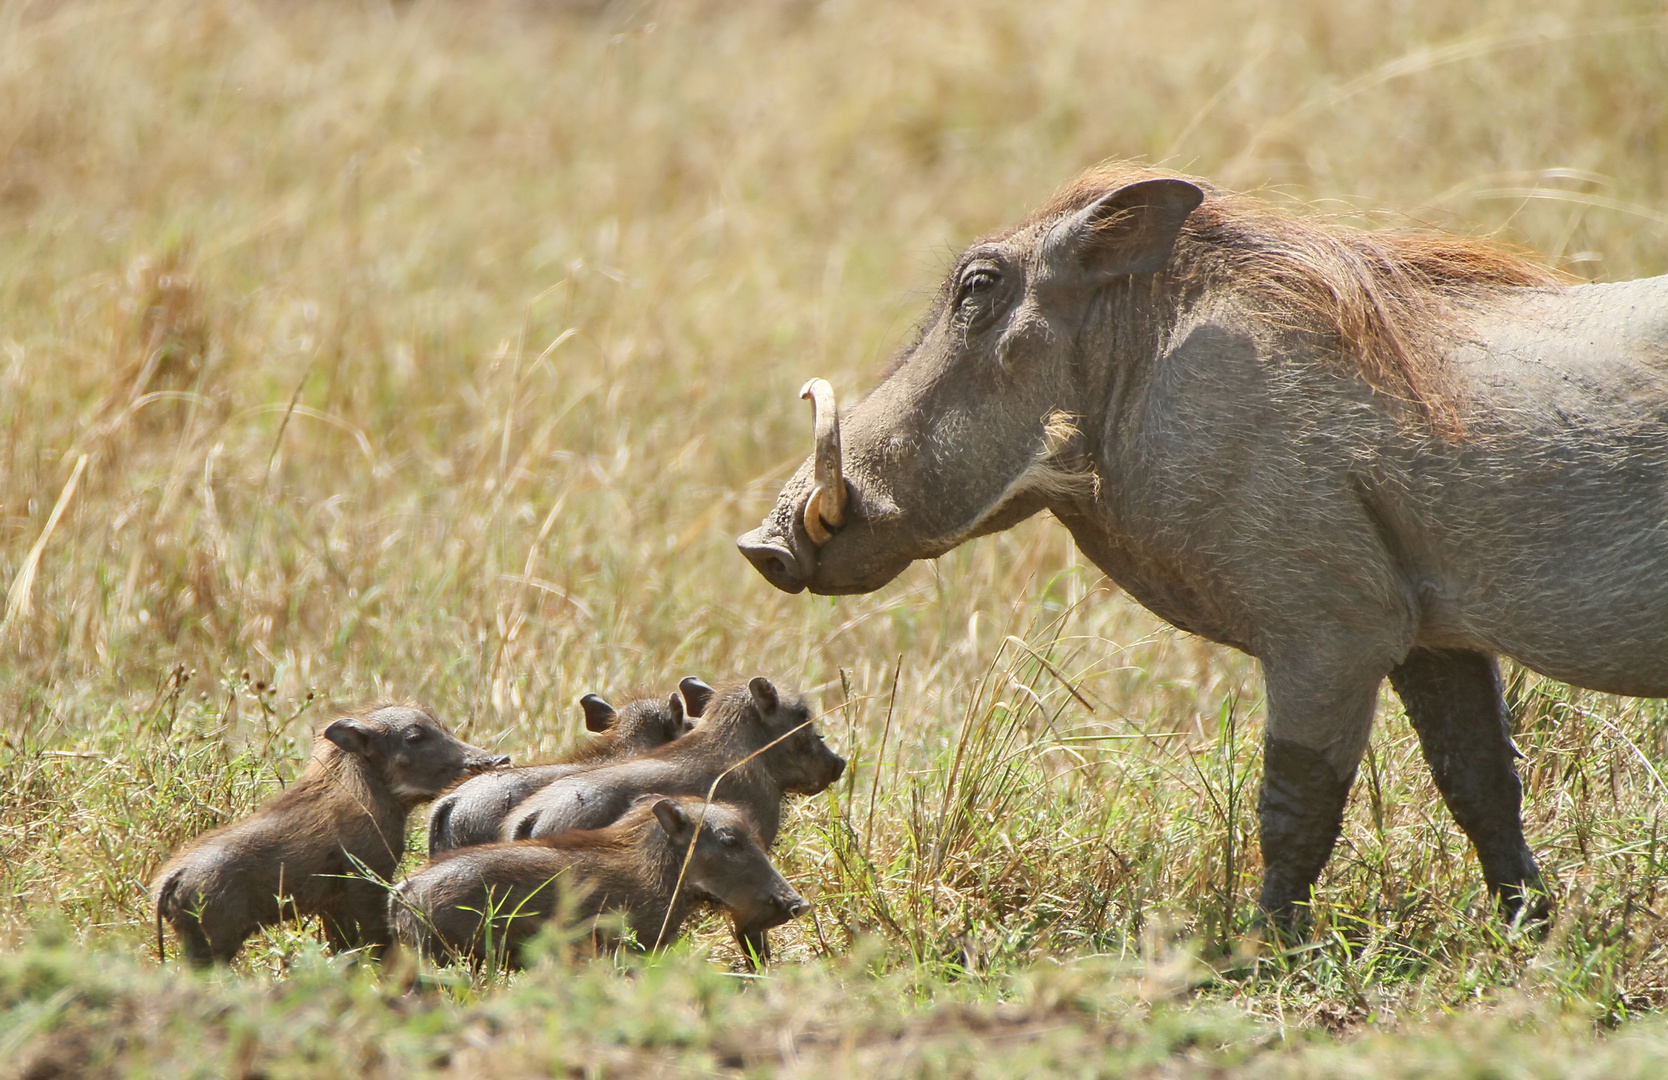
(1244, 481)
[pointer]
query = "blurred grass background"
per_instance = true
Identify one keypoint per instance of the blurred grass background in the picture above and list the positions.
(440, 350)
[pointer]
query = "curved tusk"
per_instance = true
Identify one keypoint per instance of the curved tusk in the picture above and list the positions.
(825, 509)
(814, 528)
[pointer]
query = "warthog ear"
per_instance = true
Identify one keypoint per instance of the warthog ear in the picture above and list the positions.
(765, 697)
(674, 819)
(675, 703)
(599, 715)
(696, 694)
(353, 736)
(1130, 231)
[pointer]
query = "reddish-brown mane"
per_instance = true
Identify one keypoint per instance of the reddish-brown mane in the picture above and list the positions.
(1384, 295)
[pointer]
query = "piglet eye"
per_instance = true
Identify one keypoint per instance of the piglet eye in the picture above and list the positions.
(415, 735)
(729, 840)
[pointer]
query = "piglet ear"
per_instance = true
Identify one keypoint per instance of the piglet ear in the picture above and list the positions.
(599, 715)
(674, 819)
(765, 698)
(696, 694)
(675, 703)
(353, 736)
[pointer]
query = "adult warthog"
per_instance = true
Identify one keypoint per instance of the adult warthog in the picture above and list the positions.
(1349, 454)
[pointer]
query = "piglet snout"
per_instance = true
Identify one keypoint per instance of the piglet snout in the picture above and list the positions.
(792, 903)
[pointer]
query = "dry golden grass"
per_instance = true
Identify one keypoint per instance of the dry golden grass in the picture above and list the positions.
(352, 351)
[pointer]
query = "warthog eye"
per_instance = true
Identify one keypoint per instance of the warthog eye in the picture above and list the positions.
(729, 840)
(416, 735)
(978, 281)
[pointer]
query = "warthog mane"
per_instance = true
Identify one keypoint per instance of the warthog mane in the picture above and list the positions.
(1384, 296)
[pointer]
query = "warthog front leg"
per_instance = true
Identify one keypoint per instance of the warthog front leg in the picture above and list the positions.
(1300, 811)
(1455, 703)
(357, 918)
(1320, 712)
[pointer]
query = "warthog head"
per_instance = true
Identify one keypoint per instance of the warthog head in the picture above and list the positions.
(409, 750)
(978, 425)
(728, 866)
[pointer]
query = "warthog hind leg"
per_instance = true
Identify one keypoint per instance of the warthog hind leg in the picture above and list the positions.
(1453, 698)
(195, 943)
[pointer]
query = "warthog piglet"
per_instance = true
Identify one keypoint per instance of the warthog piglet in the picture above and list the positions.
(758, 738)
(486, 901)
(302, 853)
(474, 811)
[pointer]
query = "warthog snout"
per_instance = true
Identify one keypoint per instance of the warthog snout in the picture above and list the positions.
(773, 559)
(780, 907)
(824, 510)
(489, 761)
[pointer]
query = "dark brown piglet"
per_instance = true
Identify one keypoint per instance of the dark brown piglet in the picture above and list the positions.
(474, 811)
(758, 738)
(484, 902)
(302, 853)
